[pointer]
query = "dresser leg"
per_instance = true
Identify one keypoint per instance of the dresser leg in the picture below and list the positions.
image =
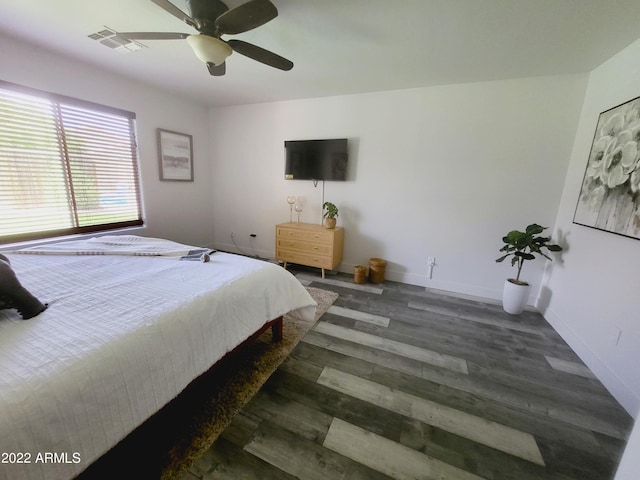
(285, 265)
(323, 273)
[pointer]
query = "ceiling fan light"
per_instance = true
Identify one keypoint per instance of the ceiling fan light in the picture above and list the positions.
(209, 49)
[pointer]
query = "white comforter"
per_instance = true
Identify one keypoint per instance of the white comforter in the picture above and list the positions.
(122, 336)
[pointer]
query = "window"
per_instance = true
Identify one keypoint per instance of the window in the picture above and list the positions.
(66, 166)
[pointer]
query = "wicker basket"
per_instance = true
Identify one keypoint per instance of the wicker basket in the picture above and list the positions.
(359, 274)
(376, 270)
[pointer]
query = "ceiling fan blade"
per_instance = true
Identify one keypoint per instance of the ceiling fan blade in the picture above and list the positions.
(204, 13)
(260, 54)
(151, 35)
(246, 17)
(217, 70)
(175, 11)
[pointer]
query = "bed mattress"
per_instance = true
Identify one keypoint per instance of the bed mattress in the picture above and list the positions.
(122, 336)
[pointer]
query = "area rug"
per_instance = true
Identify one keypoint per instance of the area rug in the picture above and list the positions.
(166, 444)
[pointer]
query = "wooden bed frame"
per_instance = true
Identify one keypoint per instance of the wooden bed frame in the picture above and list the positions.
(111, 462)
(276, 331)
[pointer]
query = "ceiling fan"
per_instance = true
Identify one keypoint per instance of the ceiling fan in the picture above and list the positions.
(212, 19)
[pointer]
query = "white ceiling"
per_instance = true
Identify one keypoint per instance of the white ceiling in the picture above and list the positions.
(343, 46)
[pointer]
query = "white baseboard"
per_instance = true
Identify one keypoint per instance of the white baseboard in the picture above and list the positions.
(629, 401)
(423, 281)
(247, 251)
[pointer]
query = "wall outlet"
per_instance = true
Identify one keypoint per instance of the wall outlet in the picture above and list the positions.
(431, 261)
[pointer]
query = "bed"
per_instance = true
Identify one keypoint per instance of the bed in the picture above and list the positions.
(130, 323)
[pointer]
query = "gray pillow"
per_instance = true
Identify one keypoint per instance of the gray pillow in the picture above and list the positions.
(14, 295)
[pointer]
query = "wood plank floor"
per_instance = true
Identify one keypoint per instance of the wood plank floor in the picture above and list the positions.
(395, 382)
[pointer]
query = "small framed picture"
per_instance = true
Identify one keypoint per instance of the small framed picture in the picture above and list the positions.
(175, 151)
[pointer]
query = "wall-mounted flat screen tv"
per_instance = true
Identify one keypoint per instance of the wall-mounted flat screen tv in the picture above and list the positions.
(316, 159)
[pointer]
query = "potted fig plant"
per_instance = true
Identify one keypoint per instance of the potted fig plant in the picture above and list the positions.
(329, 213)
(522, 246)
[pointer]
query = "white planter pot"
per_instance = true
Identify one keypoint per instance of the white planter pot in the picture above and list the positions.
(514, 297)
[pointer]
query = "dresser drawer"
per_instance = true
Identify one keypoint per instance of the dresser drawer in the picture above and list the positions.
(309, 259)
(309, 244)
(304, 235)
(301, 246)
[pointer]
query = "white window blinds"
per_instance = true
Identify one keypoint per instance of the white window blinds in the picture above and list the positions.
(66, 166)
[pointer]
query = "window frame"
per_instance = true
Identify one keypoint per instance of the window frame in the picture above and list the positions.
(57, 101)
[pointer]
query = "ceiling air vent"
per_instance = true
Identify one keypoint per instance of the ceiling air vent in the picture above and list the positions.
(108, 38)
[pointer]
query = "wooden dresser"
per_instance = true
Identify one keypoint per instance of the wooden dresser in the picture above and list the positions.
(309, 244)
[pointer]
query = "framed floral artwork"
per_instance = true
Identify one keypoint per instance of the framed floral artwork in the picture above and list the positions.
(610, 194)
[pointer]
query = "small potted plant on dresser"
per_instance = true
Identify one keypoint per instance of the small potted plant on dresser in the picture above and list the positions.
(329, 213)
(522, 246)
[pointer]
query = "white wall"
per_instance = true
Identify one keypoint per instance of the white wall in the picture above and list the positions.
(594, 291)
(176, 210)
(630, 464)
(443, 172)
(592, 295)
